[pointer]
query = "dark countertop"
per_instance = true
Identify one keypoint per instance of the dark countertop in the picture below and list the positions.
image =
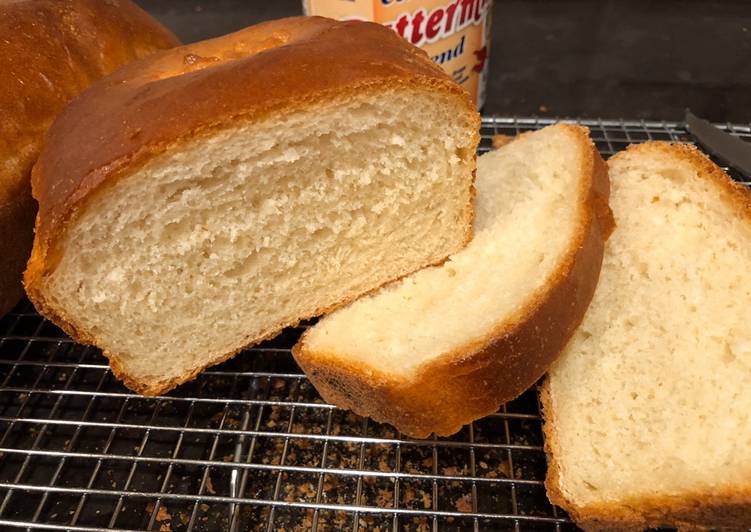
(586, 58)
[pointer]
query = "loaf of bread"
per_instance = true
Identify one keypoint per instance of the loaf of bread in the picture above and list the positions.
(450, 344)
(200, 200)
(648, 410)
(50, 50)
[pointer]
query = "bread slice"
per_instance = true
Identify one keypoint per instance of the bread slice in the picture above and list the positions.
(201, 200)
(449, 344)
(648, 411)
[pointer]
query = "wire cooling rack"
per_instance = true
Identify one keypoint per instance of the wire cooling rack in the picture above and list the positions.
(249, 445)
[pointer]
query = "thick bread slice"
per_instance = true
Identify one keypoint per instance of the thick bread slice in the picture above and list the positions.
(201, 200)
(50, 51)
(648, 411)
(449, 344)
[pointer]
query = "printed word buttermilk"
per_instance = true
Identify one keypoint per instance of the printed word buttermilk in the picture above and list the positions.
(421, 27)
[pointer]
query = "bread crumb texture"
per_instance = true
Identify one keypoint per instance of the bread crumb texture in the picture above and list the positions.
(651, 401)
(241, 232)
(526, 212)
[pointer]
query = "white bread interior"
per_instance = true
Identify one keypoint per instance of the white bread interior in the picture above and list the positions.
(443, 324)
(525, 217)
(648, 410)
(225, 239)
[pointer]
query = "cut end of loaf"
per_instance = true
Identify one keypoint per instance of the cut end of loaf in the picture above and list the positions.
(223, 240)
(449, 344)
(654, 384)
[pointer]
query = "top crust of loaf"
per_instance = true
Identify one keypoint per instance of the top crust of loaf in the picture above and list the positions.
(148, 106)
(51, 51)
(700, 511)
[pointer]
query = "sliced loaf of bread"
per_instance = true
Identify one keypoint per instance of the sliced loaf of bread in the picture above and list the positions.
(648, 410)
(449, 344)
(200, 200)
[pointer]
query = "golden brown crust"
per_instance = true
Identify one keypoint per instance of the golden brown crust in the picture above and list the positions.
(16, 221)
(176, 96)
(723, 509)
(474, 381)
(52, 50)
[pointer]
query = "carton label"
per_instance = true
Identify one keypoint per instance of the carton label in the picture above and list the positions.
(454, 33)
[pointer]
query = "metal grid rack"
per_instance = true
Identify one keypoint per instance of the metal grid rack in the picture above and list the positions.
(249, 444)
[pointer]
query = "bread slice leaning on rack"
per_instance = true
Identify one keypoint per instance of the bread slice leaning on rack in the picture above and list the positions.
(449, 344)
(201, 200)
(648, 410)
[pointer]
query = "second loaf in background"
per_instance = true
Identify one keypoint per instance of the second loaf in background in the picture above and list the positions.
(50, 51)
(449, 344)
(239, 185)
